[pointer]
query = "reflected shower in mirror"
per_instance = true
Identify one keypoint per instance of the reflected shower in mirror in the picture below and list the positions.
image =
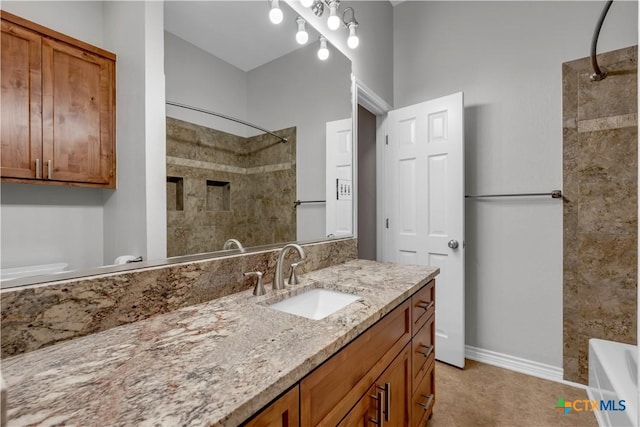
(227, 180)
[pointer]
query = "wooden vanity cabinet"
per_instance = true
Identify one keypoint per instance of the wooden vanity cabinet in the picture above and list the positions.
(384, 377)
(284, 412)
(57, 109)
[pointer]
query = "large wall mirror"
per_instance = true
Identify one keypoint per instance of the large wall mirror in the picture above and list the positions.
(224, 180)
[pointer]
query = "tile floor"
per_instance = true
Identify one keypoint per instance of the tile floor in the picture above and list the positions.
(484, 395)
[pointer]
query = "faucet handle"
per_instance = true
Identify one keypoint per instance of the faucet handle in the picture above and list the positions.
(293, 275)
(259, 288)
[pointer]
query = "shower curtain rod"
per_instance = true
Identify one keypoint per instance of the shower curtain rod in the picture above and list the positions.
(233, 119)
(555, 194)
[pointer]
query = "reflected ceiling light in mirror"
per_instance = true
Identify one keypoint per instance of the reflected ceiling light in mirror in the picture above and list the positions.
(334, 20)
(302, 37)
(323, 52)
(353, 40)
(275, 14)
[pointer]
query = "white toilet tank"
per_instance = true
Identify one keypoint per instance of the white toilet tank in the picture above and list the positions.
(32, 270)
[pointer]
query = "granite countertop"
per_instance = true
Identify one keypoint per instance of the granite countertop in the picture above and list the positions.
(210, 364)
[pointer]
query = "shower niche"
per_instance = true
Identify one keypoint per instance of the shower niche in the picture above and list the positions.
(218, 195)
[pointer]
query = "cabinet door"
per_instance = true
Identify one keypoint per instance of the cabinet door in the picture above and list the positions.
(367, 411)
(78, 115)
(396, 385)
(20, 108)
(283, 412)
(388, 401)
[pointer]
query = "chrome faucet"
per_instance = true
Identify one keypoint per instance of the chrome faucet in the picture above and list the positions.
(278, 281)
(229, 243)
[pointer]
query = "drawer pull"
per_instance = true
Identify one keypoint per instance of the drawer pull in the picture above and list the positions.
(426, 306)
(38, 169)
(380, 420)
(427, 405)
(387, 400)
(48, 169)
(426, 353)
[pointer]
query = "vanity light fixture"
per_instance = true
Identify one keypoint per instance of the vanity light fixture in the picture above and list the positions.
(275, 14)
(302, 37)
(334, 20)
(353, 40)
(306, 3)
(323, 52)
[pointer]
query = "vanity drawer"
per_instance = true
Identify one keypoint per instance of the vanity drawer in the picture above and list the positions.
(424, 398)
(423, 305)
(331, 390)
(422, 351)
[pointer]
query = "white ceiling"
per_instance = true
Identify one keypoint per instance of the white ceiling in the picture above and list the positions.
(238, 32)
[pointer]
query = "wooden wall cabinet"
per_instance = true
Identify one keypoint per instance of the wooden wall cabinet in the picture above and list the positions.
(57, 108)
(385, 377)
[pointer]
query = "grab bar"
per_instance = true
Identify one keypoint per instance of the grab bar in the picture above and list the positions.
(555, 194)
(300, 202)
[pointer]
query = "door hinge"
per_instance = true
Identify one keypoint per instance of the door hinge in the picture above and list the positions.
(387, 222)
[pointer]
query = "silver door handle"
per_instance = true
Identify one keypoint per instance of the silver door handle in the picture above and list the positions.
(453, 244)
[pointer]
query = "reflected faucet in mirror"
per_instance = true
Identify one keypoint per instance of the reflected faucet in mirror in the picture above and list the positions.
(229, 244)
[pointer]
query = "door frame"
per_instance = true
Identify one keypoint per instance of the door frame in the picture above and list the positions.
(364, 96)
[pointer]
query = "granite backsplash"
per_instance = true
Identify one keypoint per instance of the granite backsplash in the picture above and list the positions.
(37, 316)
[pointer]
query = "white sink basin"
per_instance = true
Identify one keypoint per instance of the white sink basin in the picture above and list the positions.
(316, 304)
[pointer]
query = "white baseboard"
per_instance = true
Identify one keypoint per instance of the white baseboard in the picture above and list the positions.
(518, 364)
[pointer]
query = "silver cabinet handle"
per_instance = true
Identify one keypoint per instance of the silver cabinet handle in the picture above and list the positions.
(38, 171)
(387, 400)
(425, 305)
(427, 405)
(380, 420)
(49, 163)
(426, 353)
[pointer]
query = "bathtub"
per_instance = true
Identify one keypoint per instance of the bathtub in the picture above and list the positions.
(32, 270)
(613, 375)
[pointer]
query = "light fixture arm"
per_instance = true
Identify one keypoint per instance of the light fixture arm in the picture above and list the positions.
(352, 21)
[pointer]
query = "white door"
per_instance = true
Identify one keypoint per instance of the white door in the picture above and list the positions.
(424, 203)
(339, 185)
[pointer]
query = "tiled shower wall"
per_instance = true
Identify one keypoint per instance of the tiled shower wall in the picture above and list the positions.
(222, 186)
(600, 173)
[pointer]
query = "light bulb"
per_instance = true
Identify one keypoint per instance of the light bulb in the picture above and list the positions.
(302, 37)
(306, 3)
(275, 14)
(353, 41)
(323, 52)
(334, 20)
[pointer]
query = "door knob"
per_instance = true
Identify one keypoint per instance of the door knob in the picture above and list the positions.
(453, 244)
